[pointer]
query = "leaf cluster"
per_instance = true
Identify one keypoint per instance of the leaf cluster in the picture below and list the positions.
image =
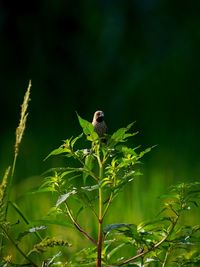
(120, 163)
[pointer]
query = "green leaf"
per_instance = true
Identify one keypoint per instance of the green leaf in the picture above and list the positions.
(114, 250)
(41, 189)
(58, 151)
(31, 230)
(66, 148)
(88, 129)
(75, 140)
(126, 150)
(153, 222)
(53, 221)
(108, 228)
(147, 150)
(63, 197)
(90, 188)
(89, 163)
(121, 135)
(50, 261)
(79, 211)
(148, 260)
(84, 257)
(65, 173)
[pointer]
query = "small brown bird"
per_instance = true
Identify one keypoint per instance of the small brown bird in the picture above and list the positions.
(99, 123)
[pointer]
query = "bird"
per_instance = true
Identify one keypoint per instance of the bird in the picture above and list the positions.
(99, 123)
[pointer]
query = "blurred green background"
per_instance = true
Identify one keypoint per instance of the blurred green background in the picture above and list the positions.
(135, 60)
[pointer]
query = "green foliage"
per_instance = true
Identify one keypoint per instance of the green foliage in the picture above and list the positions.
(88, 184)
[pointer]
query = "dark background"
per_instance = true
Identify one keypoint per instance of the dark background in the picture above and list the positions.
(136, 60)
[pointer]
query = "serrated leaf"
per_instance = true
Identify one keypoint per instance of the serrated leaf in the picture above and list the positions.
(147, 150)
(120, 135)
(88, 129)
(58, 151)
(126, 150)
(63, 197)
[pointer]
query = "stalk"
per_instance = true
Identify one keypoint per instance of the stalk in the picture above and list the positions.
(19, 134)
(76, 224)
(100, 218)
(100, 232)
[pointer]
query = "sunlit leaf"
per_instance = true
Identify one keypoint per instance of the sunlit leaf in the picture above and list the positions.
(148, 260)
(64, 197)
(126, 150)
(147, 150)
(75, 140)
(121, 135)
(58, 151)
(88, 129)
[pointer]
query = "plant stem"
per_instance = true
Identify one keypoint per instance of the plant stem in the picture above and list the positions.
(166, 257)
(108, 204)
(76, 224)
(100, 217)
(100, 233)
(10, 184)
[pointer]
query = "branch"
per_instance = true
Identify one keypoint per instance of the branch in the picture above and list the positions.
(77, 225)
(108, 204)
